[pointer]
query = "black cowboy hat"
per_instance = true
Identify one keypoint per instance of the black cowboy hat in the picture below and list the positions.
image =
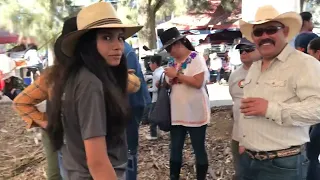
(69, 25)
(170, 36)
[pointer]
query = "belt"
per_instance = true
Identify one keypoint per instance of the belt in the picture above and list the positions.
(266, 155)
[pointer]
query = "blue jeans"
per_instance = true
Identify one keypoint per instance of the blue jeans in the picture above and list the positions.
(62, 171)
(14, 95)
(133, 142)
(313, 152)
(286, 168)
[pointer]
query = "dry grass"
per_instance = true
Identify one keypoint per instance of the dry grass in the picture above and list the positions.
(22, 159)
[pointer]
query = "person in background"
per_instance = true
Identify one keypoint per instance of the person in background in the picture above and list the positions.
(187, 75)
(34, 63)
(314, 48)
(302, 41)
(226, 68)
(12, 85)
(38, 91)
(155, 66)
(215, 67)
(138, 101)
(89, 108)
(234, 55)
(307, 25)
(248, 54)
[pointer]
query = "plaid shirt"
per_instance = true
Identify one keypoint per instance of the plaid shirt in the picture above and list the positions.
(25, 103)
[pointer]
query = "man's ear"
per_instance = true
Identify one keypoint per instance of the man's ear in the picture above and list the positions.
(300, 49)
(318, 55)
(286, 31)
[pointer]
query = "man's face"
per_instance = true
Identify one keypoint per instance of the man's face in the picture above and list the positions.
(270, 38)
(153, 66)
(309, 24)
(314, 53)
(248, 54)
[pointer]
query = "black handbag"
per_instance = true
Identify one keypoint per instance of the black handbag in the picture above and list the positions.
(161, 114)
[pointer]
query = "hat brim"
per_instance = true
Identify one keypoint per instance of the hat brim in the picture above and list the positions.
(289, 19)
(69, 41)
(171, 42)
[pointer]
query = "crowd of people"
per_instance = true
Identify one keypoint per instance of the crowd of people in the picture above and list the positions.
(96, 95)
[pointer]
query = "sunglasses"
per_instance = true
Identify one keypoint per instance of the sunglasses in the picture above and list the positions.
(268, 30)
(247, 50)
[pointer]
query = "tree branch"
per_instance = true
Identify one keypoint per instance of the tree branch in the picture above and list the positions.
(158, 5)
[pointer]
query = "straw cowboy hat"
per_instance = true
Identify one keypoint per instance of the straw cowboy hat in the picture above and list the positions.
(96, 16)
(268, 13)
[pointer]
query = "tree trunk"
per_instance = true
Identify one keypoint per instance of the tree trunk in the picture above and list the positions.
(147, 36)
(301, 5)
(151, 29)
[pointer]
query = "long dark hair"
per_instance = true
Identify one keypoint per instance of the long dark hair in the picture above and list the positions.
(187, 44)
(114, 80)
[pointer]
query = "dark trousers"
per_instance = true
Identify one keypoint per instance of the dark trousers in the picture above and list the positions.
(313, 152)
(133, 142)
(286, 168)
(13, 95)
(197, 136)
(153, 126)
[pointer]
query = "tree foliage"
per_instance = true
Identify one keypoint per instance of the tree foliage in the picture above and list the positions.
(39, 19)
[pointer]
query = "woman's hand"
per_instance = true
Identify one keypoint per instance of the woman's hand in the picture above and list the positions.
(171, 72)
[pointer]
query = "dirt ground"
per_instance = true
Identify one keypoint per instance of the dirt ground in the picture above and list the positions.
(22, 159)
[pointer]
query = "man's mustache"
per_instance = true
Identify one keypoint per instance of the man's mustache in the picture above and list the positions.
(266, 41)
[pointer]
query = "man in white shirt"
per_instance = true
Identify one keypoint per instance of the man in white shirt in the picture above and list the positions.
(215, 66)
(248, 54)
(155, 66)
(234, 55)
(279, 102)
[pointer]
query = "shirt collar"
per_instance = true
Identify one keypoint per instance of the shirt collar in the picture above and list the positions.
(283, 56)
(158, 69)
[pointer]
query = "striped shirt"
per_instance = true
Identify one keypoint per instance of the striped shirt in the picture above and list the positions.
(291, 86)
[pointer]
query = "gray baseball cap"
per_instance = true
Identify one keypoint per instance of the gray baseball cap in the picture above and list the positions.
(244, 41)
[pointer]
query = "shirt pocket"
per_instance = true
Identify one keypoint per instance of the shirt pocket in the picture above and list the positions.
(275, 83)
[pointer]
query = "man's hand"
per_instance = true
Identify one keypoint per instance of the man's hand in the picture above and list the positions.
(242, 149)
(254, 106)
(171, 72)
(13, 90)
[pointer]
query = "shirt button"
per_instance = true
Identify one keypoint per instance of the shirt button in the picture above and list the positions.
(257, 82)
(244, 136)
(268, 118)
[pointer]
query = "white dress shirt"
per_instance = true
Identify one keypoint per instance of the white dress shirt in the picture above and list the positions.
(291, 86)
(236, 80)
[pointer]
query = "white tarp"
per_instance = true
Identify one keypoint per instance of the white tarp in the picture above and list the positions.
(249, 7)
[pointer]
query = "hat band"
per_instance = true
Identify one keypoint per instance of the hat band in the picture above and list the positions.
(103, 22)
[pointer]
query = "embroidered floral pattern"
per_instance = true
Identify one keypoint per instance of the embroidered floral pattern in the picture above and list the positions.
(180, 67)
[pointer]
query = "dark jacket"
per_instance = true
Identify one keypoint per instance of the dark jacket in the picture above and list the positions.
(142, 97)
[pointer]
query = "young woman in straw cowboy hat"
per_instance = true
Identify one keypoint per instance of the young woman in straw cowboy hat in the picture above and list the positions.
(89, 105)
(190, 112)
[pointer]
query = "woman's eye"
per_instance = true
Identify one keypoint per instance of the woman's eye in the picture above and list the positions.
(121, 38)
(106, 37)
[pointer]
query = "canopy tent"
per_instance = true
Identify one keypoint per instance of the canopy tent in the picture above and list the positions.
(214, 18)
(7, 38)
(10, 38)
